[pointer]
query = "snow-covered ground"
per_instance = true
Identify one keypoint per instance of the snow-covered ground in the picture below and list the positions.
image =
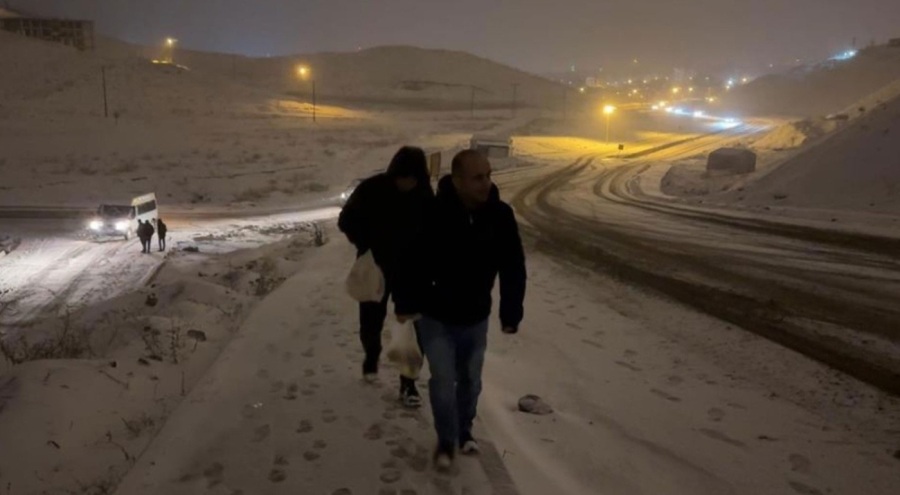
(833, 170)
(57, 269)
(235, 369)
(649, 397)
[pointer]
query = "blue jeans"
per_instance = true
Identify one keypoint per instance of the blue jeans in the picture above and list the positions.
(455, 356)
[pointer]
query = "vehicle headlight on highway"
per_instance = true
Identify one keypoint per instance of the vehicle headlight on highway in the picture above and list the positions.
(122, 225)
(96, 224)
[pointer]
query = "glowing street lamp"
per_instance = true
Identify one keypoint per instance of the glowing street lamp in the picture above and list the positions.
(304, 73)
(608, 110)
(170, 49)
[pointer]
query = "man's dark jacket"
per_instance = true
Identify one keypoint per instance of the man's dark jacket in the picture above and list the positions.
(391, 223)
(145, 231)
(465, 252)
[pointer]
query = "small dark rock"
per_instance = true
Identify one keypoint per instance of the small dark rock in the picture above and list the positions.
(191, 249)
(533, 404)
(897, 454)
(197, 335)
(53, 444)
(143, 362)
(152, 331)
(113, 364)
(151, 300)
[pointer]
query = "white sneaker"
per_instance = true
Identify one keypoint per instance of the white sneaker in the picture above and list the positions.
(470, 447)
(411, 401)
(443, 462)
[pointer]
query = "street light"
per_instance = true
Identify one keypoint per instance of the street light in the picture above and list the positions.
(304, 73)
(170, 45)
(608, 110)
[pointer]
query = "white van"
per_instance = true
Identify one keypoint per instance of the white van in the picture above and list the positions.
(122, 220)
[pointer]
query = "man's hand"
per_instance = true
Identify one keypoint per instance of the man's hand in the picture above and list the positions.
(510, 330)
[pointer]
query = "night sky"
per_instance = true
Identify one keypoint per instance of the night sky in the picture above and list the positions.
(535, 35)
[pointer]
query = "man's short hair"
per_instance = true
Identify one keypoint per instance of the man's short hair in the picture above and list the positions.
(460, 160)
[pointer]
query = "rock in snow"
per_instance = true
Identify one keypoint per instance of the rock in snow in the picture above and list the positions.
(532, 404)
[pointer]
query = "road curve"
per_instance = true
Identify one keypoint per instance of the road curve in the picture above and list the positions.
(829, 295)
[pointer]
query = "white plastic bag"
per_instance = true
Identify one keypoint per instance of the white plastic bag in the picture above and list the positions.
(365, 282)
(404, 349)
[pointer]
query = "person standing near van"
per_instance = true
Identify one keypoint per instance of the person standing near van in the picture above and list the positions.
(145, 233)
(142, 235)
(161, 230)
(150, 232)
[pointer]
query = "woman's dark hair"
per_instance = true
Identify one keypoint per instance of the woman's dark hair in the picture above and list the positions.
(409, 161)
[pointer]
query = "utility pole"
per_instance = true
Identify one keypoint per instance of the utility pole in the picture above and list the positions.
(103, 79)
(314, 99)
(472, 104)
(607, 128)
(515, 88)
(565, 95)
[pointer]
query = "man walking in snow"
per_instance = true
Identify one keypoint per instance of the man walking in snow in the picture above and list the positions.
(472, 236)
(386, 213)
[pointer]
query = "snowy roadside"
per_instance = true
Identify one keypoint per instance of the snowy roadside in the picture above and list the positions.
(284, 409)
(79, 423)
(690, 176)
(651, 397)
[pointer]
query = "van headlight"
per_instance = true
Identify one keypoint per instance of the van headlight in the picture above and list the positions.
(122, 226)
(96, 224)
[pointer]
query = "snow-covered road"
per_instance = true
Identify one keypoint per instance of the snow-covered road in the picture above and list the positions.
(57, 269)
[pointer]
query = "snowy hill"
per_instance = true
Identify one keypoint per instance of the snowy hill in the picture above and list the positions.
(857, 168)
(821, 89)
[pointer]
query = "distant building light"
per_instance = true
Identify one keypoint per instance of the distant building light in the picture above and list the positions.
(847, 55)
